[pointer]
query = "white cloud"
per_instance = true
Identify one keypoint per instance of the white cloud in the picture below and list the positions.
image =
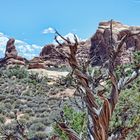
(1, 34)
(36, 46)
(24, 49)
(70, 36)
(48, 31)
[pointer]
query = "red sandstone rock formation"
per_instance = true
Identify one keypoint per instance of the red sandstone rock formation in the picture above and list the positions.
(47, 50)
(11, 55)
(36, 63)
(101, 39)
(95, 48)
(11, 51)
(36, 66)
(51, 57)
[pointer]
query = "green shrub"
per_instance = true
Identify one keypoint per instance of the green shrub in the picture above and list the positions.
(2, 119)
(127, 111)
(8, 106)
(76, 120)
(16, 71)
(1, 107)
(25, 116)
(34, 76)
(137, 57)
(23, 121)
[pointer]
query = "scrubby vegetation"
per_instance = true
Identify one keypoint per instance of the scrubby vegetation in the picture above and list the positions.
(28, 96)
(105, 103)
(126, 114)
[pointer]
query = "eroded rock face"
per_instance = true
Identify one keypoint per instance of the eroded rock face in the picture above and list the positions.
(11, 51)
(36, 63)
(47, 50)
(36, 66)
(51, 57)
(83, 51)
(100, 42)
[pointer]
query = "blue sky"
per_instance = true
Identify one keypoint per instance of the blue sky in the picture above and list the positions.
(26, 19)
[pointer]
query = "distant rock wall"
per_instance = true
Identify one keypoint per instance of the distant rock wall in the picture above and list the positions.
(51, 57)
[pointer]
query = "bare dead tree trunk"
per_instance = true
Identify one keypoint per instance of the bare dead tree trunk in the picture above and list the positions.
(98, 116)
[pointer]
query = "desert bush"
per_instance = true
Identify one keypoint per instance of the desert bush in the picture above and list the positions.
(67, 81)
(32, 104)
(9, 100)
(2, 97)
(2, 108)
(127, 112)
(16, 71)
(10, 126)
(41, 110)
(34, 76)
(136, 56)
(41, 135)
(37, 127)
(2, 118)
(44, 114)
(23, 121)
(8, 106)
(28, 110)
(11, 115)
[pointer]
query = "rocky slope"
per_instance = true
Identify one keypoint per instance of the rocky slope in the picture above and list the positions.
(36, 99)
